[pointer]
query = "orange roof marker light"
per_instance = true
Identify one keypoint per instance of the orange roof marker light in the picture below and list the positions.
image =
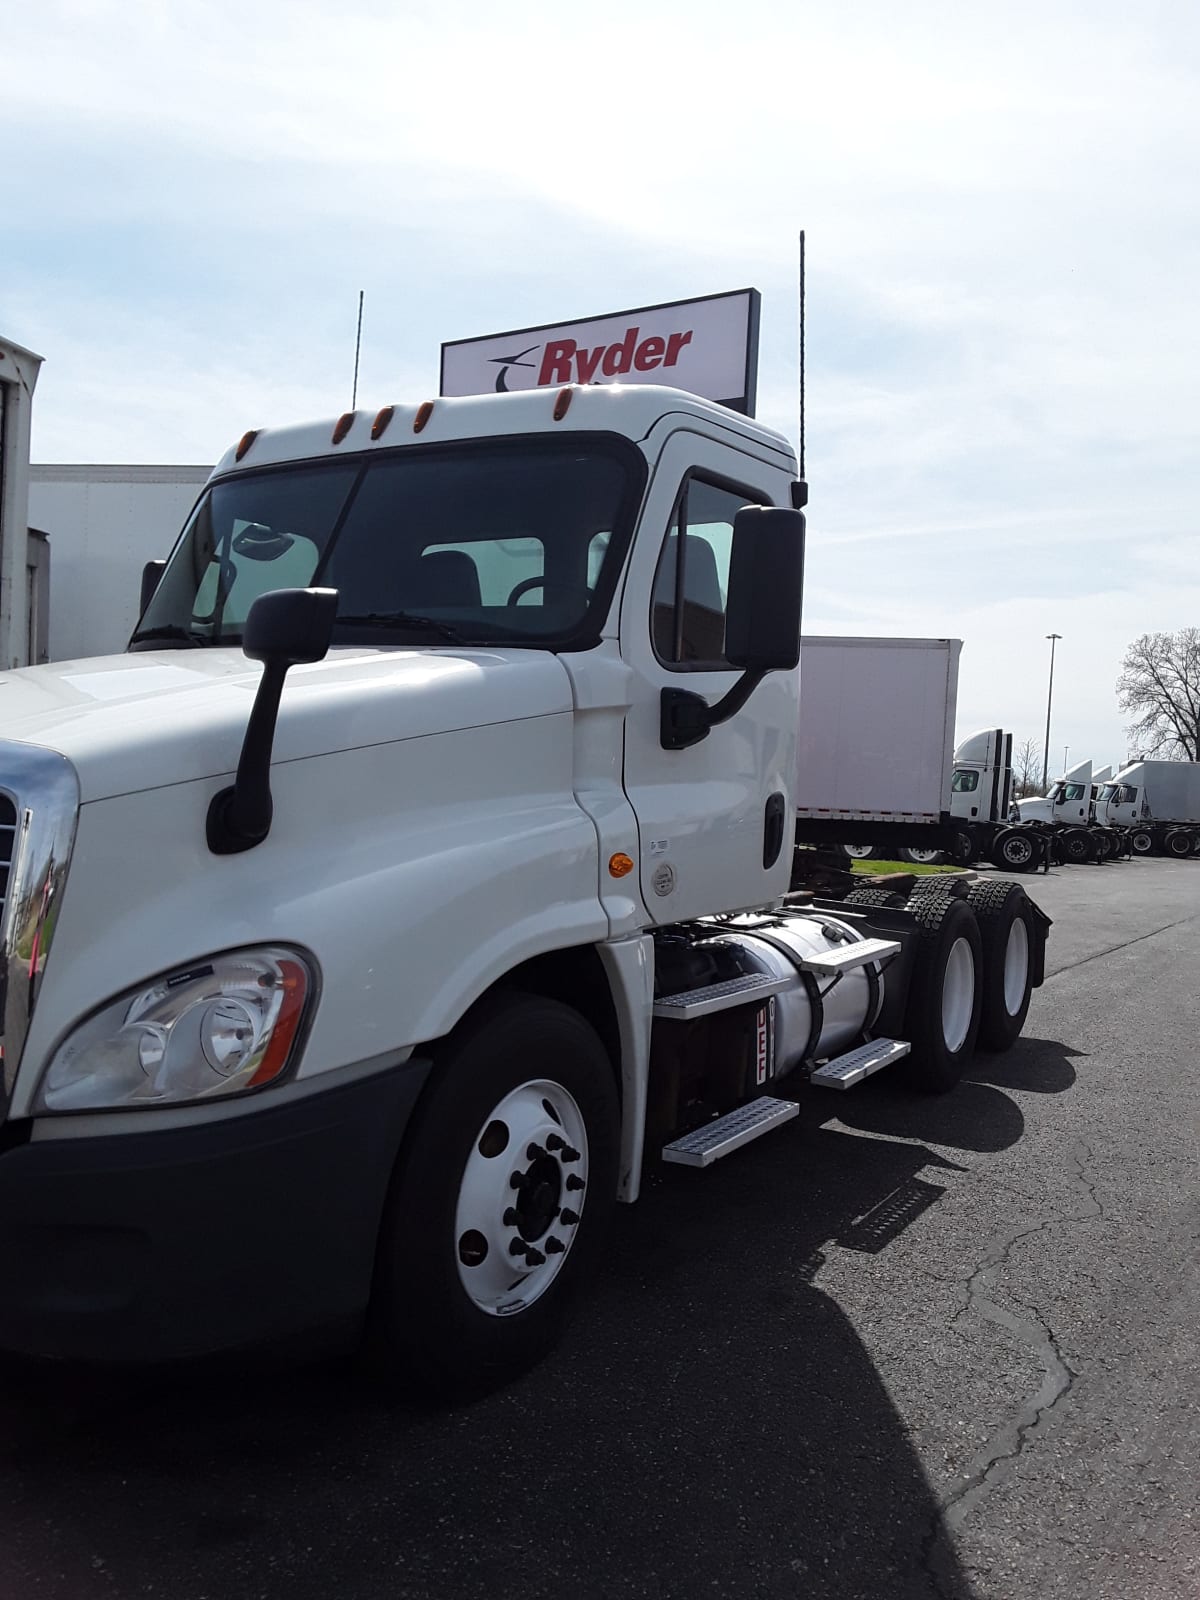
(562, 402)
(245, 442)
(344, 423)
(424, 412)
(382, 419)
(620, 865)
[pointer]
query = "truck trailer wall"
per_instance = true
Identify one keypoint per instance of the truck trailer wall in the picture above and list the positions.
(1171, 789)
(876, 728)
(19, 370)
(104, 523)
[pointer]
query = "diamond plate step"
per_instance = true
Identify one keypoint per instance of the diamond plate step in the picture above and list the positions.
(691, 1003)
(845, 957)
(843, 1072)
(730, 1132)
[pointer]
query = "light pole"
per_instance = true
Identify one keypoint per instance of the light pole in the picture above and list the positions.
(1049, 697)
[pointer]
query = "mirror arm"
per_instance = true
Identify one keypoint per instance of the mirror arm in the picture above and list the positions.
(686, 718)
(240, 817)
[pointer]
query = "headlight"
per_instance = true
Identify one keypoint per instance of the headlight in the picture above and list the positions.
(212, 1030)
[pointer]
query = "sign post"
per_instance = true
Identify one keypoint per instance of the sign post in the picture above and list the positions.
(708, 347)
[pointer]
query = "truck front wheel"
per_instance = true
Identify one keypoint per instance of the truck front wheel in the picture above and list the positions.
(499, 1201)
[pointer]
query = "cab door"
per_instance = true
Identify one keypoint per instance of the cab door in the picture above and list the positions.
(715, 820)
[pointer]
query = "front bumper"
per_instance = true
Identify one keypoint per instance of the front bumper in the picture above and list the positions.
(181, 1242)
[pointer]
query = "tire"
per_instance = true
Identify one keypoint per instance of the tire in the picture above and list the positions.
(1015, 850)
(1076, 846)
(942, 1016)
(944, 884)
(1107, 845)
(876, 897)
(920, 858)
(1141, 841)
(1178, 844)
(859, 852)
(1196, 844)
(434, 1326)
(1006, 932)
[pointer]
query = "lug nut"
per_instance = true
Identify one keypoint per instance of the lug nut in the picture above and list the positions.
(569, 1154)
(511, 1217)
(534, 1153)
(518, 1180)
(554, 1247)
(518, 1247)
(568, 1217)
(534, 1258)
(574, 1181)
(555, 1142)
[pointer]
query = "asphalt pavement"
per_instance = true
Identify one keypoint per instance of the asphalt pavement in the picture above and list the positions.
(903, 1347)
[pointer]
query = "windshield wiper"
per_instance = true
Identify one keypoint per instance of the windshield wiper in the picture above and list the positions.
(406, 619)
(172, 633)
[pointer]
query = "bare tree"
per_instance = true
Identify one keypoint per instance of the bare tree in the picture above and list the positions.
(1160, 687)
(1027, 769)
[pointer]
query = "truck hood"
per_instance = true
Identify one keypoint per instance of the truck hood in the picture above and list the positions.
(1038, 808)
(134, 722)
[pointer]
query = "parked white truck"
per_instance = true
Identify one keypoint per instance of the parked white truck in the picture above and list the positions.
(1159, 803)
(1071, 809)
(361, 999)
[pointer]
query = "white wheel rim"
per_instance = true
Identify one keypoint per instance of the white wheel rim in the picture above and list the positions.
(858, 852)
(1016, 966)
(958, 995)
(1018, 851)
(922, 858)
(511, 1239)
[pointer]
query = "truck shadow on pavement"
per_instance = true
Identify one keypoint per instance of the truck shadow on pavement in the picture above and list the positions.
(714, 1425)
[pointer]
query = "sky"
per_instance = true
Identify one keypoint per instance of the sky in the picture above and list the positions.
(1003, 246)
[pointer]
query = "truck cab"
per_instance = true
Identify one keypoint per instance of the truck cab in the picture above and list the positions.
(1069, 801)
(981, 785)
(422, 870)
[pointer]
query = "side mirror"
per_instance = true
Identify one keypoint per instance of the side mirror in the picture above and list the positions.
(151, 575)
(766, 590)
(284, 629)
(762, 620)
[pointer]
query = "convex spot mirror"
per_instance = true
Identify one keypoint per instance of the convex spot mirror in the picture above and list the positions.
(257, 542)
(766, 589)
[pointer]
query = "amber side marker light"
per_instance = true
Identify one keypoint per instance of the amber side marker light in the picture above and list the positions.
(382, 419)
(344, 423)
(245, 442)
(620, 865)
(295, 990)
(562, 403)
(424, 412)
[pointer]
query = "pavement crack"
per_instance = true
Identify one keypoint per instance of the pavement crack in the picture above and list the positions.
(1028, 1325)
(1112, 950)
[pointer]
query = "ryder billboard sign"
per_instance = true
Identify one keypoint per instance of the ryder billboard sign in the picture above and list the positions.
(708, 347)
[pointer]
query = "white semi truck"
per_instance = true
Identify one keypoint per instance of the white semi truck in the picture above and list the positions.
(1159, 803)
(1070, 808)
(420, 875)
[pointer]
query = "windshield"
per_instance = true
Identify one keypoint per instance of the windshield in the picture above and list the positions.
(1069, 791)
(516, 541)
(964, 781)
(1109, 792)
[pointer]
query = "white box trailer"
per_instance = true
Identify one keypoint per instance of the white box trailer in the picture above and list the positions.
(104, 523)
(21, 559)
(876, 741)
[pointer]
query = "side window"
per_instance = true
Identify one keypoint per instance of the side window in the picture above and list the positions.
(964, 781)
(688, 606)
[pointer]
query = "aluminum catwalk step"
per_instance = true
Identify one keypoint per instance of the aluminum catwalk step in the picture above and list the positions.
(691, 1003)
(730, 1132)
(843, 1072)
(845, 957)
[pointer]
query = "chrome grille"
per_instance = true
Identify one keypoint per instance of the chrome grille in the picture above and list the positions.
(8, 829)
(39, 806)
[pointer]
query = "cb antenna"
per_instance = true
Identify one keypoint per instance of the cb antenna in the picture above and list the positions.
(357, 348)
(800, 492)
